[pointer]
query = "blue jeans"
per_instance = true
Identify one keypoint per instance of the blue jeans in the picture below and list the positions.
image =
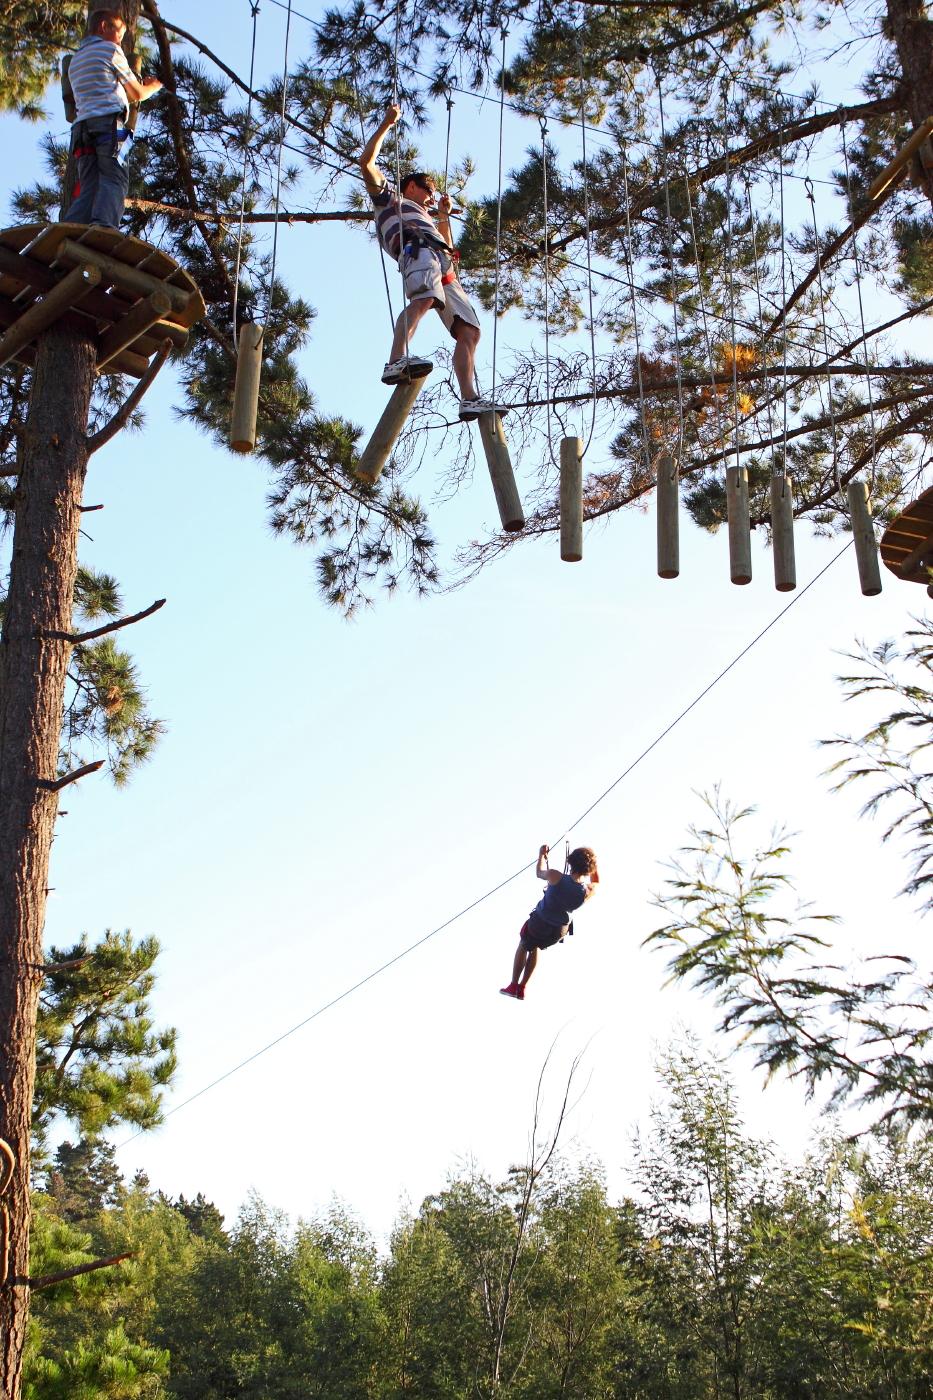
(102, 176)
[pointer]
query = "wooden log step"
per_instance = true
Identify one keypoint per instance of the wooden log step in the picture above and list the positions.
(125, 333)
(44, 313)
(379, 448)
(499, 463)
(122, 275)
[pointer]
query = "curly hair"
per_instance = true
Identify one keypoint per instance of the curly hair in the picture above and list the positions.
(582, 861)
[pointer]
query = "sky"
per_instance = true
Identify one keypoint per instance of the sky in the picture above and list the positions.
(330, 792)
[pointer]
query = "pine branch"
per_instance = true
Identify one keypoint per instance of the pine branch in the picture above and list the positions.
(120, 419)
(285, 216)
(76, 638)
(47, 1280)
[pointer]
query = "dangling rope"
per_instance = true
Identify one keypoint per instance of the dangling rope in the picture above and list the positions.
(703, 316)
(589, 252)
(495, 319)
(542, 122)
(398, 164)
(382, 255)
(670, 251)
(861, 308)
(631, 286)
(254, 6)
(278, 178)
(808, 186)
(730, 263)
(783, 303)
(450, 107)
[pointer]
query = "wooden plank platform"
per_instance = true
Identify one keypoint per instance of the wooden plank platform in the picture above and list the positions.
(35, 258)
(907, 543)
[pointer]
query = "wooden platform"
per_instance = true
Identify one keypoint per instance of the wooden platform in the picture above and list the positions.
(907, 543)
(135, 295)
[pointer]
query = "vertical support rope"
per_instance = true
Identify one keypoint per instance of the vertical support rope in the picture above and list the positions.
(398, 165)
(278, 180)
(382, 255)
(670, 250)
(703, 316)
(254, 6)
(861, 308)
(730, 264)
(495, 318)
(542, 122)
(783, 303)
(589, 252)
(631, 286)
(808, 186)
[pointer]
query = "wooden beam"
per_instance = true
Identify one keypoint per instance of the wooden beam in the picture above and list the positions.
(126, 332)
(379, 448)
(44, 313)
(246, 388)
(131, 279)
(912, 561)
(895, 168)
(499, 463)
(740, 537)
(99, 304)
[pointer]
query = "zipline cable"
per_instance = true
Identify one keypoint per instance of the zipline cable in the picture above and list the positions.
(481, 899)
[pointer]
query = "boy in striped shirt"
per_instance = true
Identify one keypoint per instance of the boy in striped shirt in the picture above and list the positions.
(103, 85)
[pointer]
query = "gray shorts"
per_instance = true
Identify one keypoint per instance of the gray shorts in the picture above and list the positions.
(423, 274)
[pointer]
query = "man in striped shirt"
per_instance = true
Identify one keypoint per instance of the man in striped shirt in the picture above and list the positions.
(103, 85)
(407, 229)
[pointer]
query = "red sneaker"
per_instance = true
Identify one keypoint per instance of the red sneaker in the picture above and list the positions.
(520, 992)
(512, 990)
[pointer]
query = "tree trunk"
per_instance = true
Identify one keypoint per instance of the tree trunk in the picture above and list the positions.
(52, 467)
(912, 33)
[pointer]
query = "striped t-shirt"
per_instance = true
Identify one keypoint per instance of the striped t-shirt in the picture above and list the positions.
(96, 74)
(414, 219)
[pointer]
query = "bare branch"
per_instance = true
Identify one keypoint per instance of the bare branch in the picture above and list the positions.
(56, 785)
(76, 638)
(46, 1280)
(285, 216)
(122, 416)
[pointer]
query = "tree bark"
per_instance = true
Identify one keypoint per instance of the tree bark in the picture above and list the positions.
(912, 33)
(53, 463)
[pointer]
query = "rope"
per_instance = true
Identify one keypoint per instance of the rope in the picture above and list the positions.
(670, 250)
(398, 165)
(450, 107)
(730, 264)
(808, 186)
(783, 303)
(547, 280)
(589, 251)
(382, 255)
(703, 316)
(861, 308)
(254, 6)
(278, 178)
(631, 283)
(495, 319)
(509, 879)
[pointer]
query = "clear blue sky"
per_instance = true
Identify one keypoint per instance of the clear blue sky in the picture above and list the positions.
(328, 792)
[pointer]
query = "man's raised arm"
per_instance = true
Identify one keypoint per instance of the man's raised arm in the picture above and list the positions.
(370, 153)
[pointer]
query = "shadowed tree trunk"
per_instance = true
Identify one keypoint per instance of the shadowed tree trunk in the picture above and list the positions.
(912, 33)
(52, 465)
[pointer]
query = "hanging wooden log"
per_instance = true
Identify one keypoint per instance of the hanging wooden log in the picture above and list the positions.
(246, 388)
(782, 533)
(43, 313)
(667, 479)
(500, 471)
(863, 535)
(740, 534)
(379, 448)
(571, 500)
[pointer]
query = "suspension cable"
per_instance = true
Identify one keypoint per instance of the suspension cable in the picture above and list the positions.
(861, 308)
(629, 259)
(398, 166)
(808, 186)
(278, 178)
(589, 251)
(254, 6)
(495, 318)
(542, 121)
(670, 250)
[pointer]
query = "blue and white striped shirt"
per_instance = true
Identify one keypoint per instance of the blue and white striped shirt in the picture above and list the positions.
(96, 74)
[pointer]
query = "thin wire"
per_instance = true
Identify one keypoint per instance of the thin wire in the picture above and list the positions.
(450, 107)
(589, 251)
(717, 401)
(861, 308)
(382, 255)
(783, 303)
(761, 318)
(495, 319)
(278, 178)
(419, 943)
(730, 264)
(254, 6)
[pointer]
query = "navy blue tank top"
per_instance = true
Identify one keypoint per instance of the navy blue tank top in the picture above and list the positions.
(560, 901)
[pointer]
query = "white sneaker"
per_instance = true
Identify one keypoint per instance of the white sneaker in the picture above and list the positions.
(408, 367)
(473, 408)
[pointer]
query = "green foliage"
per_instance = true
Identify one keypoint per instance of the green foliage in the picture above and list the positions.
(32, 37)
(100, 1061)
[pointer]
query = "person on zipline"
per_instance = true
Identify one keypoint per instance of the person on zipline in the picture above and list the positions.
(550, 921)
(422, 246)
(102, 85)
